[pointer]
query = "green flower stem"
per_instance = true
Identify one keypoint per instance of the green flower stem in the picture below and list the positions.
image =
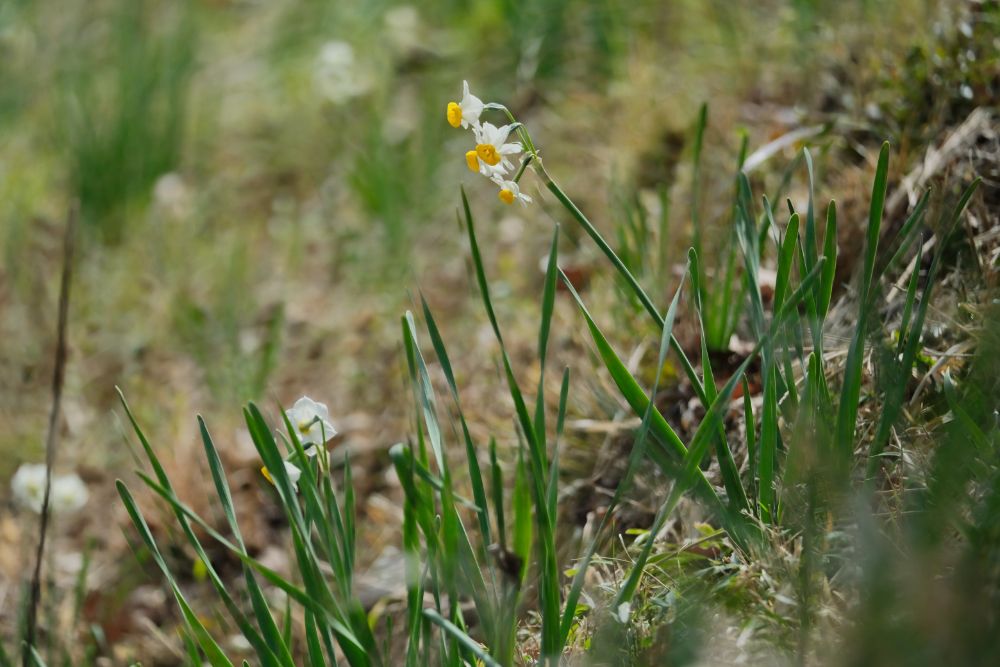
(524, 166)
(725, 456)
(647, 303)
(522, 132)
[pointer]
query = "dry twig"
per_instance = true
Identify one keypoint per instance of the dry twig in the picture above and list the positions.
(58, 377)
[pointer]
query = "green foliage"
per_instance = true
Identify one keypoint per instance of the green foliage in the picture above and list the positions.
(125, 119)
(497, 546)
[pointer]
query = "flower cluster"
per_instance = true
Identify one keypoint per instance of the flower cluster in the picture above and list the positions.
(311, 423)
(68, 493)
(493, 154)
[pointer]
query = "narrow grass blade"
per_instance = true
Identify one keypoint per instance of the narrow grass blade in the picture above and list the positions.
(428, 404)
(34, 657)
(263, 650)
(414, 587)
(636, 456)
(913, 334)
(633, 284)
(847, 411)
(496, 487)
(548, 305)
(966, 423)
(265, 620)
(549, 567)
(699, 139)
(456, 633)
(475, 473)
(325, 608)
(768, 444)
(749, 237)
(830, 268)
(727, 464)
(636, 397)
(875, 219)
(905, 237)
(786, 257)
(699, 445)
(477, 262)
(553, 485)
(523, 538)
(345, 612)
(810, 239)
(751, 433)
(214, 653)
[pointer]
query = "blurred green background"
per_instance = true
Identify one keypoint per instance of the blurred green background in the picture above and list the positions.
(253, 176)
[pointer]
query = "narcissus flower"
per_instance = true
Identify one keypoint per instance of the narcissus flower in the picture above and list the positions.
(465, 113)
(311, 421)
(489, 171)
(509, 191)
(492, 147)
(291, 470)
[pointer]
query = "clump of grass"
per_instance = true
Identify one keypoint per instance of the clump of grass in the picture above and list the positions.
(124, 120)
(478, 542)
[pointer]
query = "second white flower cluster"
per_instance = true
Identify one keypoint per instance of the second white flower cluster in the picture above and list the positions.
(493, 153)
(311, 422)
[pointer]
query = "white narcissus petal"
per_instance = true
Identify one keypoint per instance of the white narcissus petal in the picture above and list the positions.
(471, 107)
(513, 188)
(497, 170)
(293, 474)
(311, 421)
(482, 132)
(488, 133)
(501, 135)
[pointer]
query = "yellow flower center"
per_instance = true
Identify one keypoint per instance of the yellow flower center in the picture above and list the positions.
(488, 154)
(472, 159)
(454, 114)
(506, 196)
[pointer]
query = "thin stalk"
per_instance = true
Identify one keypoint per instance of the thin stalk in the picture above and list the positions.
(616, 261)
(51, 439)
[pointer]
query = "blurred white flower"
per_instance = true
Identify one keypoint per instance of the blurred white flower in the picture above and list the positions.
(240, 644)
(404, 116)
(311, 421)
(290, 469)
(171, 194)
(68, 494)
(465, 113)
(402, 25)
(509, 191)
(28, 486)
(623, 612)
(337, 74)
(492, 147)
